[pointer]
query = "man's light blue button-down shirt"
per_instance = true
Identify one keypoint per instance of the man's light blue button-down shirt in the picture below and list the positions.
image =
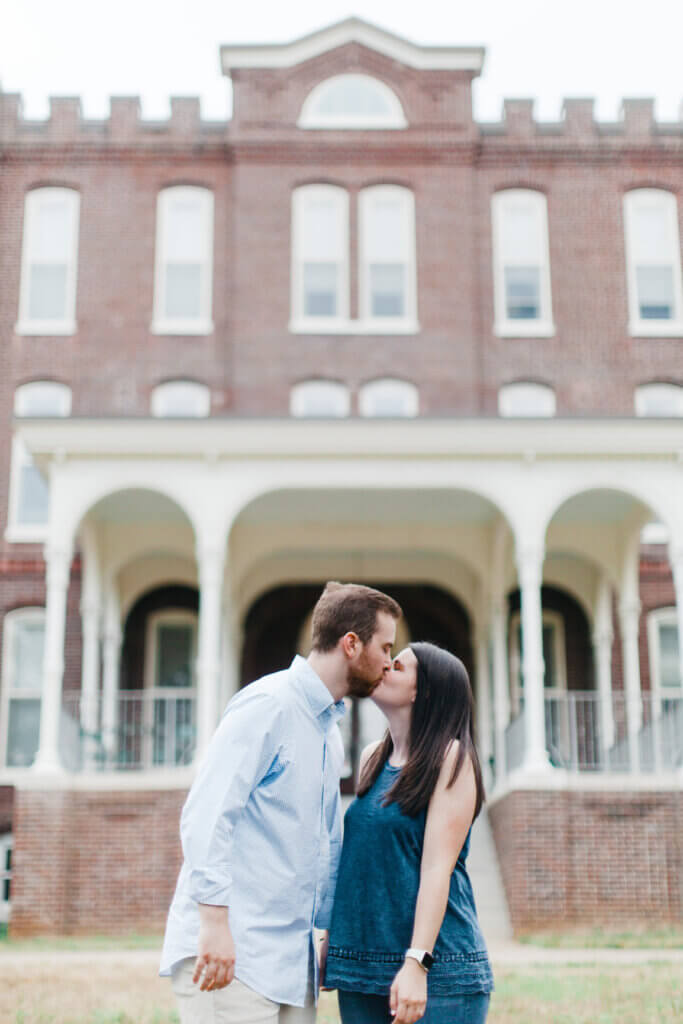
(261, 832)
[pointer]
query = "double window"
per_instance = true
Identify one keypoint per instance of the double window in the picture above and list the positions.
(22, 675)
(385, 397)
(521, 264)
(47, 296)
(653, 259)
(184, 261)
(321, 300)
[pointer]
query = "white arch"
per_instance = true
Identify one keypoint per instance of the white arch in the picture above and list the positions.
(352, 101)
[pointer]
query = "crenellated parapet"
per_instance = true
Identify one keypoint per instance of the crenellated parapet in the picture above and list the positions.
(636, 124)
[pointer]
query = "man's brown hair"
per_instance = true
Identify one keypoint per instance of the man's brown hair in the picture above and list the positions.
(348, 608)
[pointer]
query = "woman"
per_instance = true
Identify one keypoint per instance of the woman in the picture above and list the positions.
(403, 883)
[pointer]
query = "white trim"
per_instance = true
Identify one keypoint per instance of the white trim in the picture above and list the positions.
(356, 30)
(65, 325)
(560, 780)
(638, 327)
(382, 325)
(300, 197)
(18, 532)
(542, 326)
(8, 691)
(156, 778)
(406, 199)
(202, 323)
(310, 119)
(59, 397)
(656, 618)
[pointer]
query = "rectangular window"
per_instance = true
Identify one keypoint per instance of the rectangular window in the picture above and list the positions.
(320, 270)
(653, 262)
(22, 685)
(29, 498)
(49, 262)
(669, 664)
(171, 644)
(184, 258)
(387, 257)
(521, 264)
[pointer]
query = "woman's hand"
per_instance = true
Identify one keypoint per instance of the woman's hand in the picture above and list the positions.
(408, 997)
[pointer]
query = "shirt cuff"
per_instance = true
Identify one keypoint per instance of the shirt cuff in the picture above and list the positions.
(213, 892)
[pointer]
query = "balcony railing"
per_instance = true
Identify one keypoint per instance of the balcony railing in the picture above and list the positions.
(140, 729)
(588, 733)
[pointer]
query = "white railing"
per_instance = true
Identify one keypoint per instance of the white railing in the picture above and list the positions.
(139, 729)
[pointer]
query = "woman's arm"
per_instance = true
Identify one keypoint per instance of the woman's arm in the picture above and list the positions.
(449, 817)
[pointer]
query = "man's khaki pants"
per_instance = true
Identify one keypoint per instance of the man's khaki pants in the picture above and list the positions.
(235, 1004)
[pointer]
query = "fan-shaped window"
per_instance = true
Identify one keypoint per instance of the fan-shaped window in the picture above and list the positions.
(352, 101)
(653, 261)
(525, 398)
(42, 398)
(521, 264)
(47, 299)
(323, 398)
(659, 400)
(181, 398)
(388, 397)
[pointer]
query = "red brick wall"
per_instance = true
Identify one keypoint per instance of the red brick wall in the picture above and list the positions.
(94, 862)
(590, 857)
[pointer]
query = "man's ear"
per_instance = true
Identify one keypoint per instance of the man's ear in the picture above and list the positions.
(350, 644)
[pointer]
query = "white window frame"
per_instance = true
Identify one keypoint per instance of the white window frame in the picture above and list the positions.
(58, 395)
(152, 692)
(162, 394)
(543, 326)
(407, 390)
(18, 532)
(67, 324)
(203, 323)
(653, 328)
(7, 691)
(644, 391)
(302, 391)
(300, 322)
(528, 387)
(310, 118)
(549, 618)
(656, 618)
(6, 846)
(408, 323)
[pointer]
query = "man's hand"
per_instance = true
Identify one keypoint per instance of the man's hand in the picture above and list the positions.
(216, 955)
(408, 998)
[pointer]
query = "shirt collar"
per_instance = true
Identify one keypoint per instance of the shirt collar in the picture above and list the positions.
(318, 697)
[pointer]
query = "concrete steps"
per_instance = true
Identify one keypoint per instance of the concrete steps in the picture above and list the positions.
(489, 894)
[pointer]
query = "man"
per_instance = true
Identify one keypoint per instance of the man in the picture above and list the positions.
(261, 827)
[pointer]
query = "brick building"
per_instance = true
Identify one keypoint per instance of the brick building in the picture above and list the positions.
(350, 333)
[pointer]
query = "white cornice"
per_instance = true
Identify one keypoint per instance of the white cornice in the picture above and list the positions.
(352, 30)
(401, 439)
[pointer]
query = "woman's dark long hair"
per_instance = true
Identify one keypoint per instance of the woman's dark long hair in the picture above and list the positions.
(442, 712)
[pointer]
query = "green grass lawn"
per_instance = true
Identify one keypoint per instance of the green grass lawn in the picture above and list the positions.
(633, 937)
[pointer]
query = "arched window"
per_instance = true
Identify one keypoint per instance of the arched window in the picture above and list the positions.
(181, 398)
(387, 285)
(352, 101)
(49, 262)
(525, 398)
(184, 261)
(321, 398)
(22, 683)
(653, 260)
(659, 400)
(320, 256)
(521, 264)
(42, 398)
(388, 397)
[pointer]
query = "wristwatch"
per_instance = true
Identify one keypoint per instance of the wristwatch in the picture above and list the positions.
(423, 957)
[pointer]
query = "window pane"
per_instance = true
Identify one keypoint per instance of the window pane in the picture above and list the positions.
(47, 291)
(522, 292)
(174, 655)
(23, 732)
(183, 291)
(51, 230)
(353, 94)
(652, 231)
(320, 398)
(655, 292)
(550, 678)
(27, 661)
(181, 399)
(521, 233)
(387, 235)
(320, 289)
(34, 497)
(42, 398)
(184, 232)
(659, 400)
(321, 228)
(669, 667)
(387, 289)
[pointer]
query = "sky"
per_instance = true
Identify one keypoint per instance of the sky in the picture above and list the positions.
(543, 49)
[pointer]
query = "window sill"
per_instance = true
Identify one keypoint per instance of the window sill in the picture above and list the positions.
(524, 329)
(354, 327)
(46, 328)
(198, 327)
(26, 534)
(656, 329)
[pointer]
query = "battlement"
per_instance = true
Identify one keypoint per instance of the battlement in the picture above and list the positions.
(636, 123)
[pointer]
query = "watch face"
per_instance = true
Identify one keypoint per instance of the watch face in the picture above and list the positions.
(427, 960)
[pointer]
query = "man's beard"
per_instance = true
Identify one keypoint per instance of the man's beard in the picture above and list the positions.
(363, 682)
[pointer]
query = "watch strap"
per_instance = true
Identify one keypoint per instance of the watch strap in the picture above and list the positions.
(423, 957)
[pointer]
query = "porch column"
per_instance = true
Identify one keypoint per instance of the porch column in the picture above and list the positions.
(90, 677)
(501, 686)
(211, 560)
(111, 661)
(483, 697)
(58, 566)
(629, 618)
(529, 567)
(603, 636)
(676, 559)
